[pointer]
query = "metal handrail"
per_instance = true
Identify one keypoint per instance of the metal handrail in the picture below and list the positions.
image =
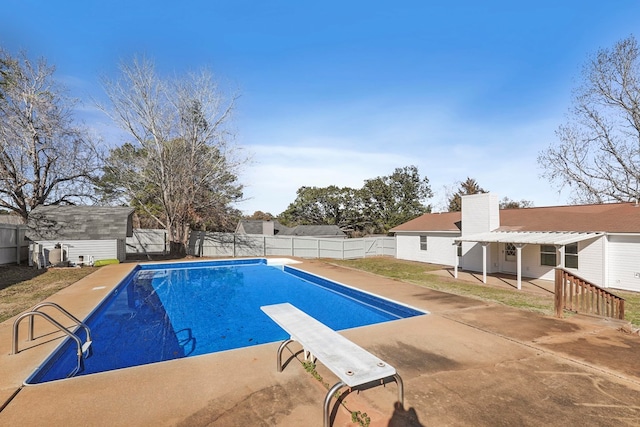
(81, 347)
(63, 311)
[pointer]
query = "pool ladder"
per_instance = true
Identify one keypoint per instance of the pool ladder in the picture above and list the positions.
(84, 350)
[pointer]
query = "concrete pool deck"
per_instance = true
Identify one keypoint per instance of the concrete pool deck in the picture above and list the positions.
(467, 363)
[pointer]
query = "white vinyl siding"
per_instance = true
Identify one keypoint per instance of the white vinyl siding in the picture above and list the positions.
(591, 260)
(624, 262)
(472, 257)
(531, 266)
(440, 248)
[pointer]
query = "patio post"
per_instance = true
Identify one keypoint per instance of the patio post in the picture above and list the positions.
(519, 247)
(484, 261)
(455, 263)
(560, 249)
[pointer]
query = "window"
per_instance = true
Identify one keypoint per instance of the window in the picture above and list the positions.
(548, 255)
(510, 252)
(571, 255)
(460, 249)
(423, 243)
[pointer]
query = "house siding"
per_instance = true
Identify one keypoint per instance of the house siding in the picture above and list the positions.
(472, 256)
(624, 262)
(531, 266)
(611, 259)
(440, 247)
(590, 261)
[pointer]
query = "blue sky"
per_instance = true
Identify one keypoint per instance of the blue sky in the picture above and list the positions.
(336, 92)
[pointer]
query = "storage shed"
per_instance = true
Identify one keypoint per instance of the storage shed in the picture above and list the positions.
(82, 233)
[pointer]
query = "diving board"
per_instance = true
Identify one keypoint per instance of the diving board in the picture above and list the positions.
(352, 364)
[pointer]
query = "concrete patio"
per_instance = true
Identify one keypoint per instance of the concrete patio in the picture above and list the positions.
(466, 363)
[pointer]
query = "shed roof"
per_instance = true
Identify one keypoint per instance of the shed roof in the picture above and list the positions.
(79, 223)
(256, 226)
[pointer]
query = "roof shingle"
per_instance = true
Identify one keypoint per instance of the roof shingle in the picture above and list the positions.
(79, 223)
(610, 218)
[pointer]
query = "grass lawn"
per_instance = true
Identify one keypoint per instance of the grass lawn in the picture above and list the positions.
(418, 273)
(22, 287)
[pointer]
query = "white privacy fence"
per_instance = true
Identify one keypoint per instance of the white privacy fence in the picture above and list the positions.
(148, 241)
(238, 245)
(14, 249)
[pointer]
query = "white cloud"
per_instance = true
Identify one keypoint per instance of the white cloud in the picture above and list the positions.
(279, 171)
(501, 157)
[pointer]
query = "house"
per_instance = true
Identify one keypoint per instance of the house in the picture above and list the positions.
(600, 243)
(262, 227)
(274, 228)
(83, 233)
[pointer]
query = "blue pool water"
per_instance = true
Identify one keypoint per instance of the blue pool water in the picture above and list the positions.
(169, 311)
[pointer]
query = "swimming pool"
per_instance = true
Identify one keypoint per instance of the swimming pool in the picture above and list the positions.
(167, 311)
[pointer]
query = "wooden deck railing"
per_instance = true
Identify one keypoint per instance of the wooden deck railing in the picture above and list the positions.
(578, 295)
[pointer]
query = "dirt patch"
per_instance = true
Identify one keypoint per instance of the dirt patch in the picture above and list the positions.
(598, 349)
(442, 301)
(265, 408)
(535, 391)
(513, 323)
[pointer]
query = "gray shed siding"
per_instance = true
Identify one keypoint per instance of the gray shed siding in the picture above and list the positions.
(98, 249)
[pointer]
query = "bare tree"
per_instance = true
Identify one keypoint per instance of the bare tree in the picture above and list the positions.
(45, 158)
(182, 165)
(598, 154)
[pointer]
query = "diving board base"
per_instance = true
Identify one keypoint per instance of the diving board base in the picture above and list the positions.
(352, 364)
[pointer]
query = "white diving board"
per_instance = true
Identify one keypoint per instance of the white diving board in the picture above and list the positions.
(352, 364)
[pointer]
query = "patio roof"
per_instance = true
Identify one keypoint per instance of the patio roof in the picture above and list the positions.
(529, 237)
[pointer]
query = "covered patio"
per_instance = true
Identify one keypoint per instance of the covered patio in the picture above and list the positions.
(519, 239)
(501, 280)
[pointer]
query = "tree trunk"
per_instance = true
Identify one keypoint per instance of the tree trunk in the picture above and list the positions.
(177, 249)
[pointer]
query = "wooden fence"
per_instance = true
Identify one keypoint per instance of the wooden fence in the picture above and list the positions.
(575, 294)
